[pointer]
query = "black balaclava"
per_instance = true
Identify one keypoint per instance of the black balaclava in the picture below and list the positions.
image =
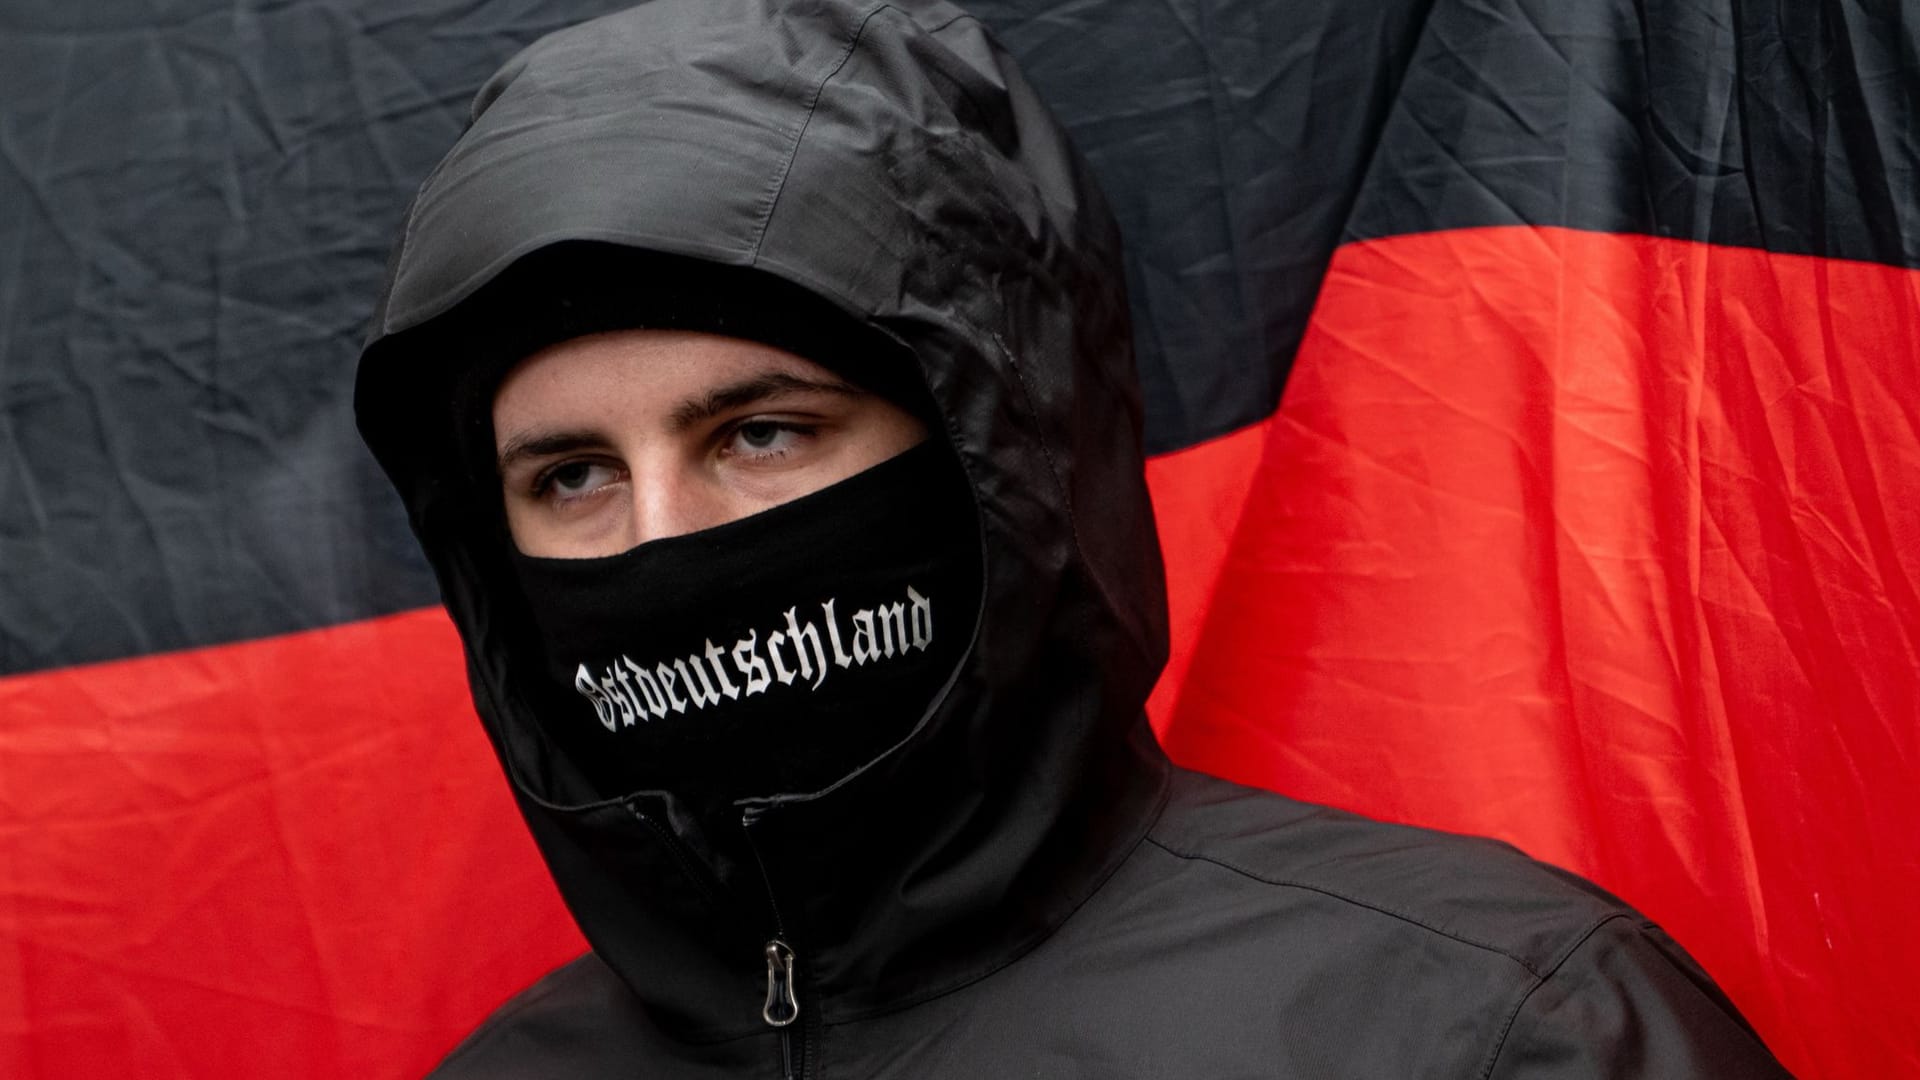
(769, 655)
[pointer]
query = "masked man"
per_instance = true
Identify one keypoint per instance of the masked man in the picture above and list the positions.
(758, 378)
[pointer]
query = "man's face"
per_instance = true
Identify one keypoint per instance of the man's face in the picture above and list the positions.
(611, 440)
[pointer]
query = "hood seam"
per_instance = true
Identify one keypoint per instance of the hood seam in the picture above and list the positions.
(1384, 909)
(778, 186)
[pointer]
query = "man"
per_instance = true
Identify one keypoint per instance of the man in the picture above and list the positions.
(758, 378)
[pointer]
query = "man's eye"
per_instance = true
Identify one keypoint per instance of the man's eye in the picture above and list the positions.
(764, 439)
(572, 479)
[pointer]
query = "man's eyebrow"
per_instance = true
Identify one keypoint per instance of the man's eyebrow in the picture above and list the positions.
(749, 390)
(545, 443)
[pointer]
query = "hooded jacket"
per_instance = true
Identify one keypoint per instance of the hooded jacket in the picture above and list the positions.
(1023, 886)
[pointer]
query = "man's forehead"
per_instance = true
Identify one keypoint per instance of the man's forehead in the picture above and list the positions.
(667, 362)
(678, 379)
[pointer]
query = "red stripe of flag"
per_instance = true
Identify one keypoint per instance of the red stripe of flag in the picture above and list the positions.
(292, 857)
(1606, 545)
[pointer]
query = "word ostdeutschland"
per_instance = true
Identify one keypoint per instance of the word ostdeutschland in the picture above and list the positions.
(625, 692)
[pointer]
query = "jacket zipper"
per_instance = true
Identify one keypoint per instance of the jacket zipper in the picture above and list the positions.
(782, 1006)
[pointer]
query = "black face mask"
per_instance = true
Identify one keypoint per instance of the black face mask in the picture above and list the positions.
(770, 655)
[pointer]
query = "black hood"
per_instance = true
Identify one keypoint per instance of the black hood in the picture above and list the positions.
(889, 161)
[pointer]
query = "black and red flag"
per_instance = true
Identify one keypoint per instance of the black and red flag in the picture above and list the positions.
(1536, 394)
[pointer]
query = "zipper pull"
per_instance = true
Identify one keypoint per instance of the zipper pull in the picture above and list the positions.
(782, 1007)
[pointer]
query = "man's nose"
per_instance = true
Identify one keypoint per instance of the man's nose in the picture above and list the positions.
(670, 499)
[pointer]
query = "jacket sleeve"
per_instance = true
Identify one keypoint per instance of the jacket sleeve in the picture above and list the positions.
(1629, 1002)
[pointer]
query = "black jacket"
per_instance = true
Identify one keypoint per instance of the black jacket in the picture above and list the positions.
(1024, 887)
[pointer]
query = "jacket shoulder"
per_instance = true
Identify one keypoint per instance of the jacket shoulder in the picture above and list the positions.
(1474, 890)
(1579, 981)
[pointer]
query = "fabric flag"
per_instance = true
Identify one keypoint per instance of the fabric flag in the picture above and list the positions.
(1538, 454)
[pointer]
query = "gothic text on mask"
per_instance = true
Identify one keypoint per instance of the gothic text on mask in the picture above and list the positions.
(796, 653)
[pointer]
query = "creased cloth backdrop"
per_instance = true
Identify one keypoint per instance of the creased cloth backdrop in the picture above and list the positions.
(1536, 394)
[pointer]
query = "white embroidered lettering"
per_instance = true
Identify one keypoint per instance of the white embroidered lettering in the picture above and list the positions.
(748, 661)
(626, 692)
(666, 687)
(815, 667)
(650, 690)
(602, 708)
(780, 669)
(863, 644)
(713, 654)
(922, 619)
(701, 695)
(622, 695)
(833, 636)
(893, 627)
